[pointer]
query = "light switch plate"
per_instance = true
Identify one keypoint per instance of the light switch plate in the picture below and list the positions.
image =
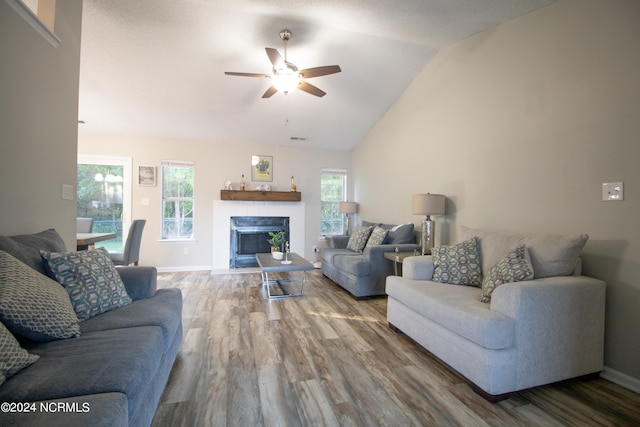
(67, 192)
(613, 191)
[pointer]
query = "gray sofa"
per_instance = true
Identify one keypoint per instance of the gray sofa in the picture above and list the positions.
(363, 274)
(114, 372)
(533, 332)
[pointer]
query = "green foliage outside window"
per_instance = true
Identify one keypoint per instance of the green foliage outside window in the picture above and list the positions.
(333, 189)
(177, 200)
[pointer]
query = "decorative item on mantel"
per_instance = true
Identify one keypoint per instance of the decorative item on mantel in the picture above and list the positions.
(263, 187)
(242, 183)
(427, 204)
(227, 185)
(293, 186)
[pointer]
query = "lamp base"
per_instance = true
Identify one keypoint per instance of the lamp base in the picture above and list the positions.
(426, 236)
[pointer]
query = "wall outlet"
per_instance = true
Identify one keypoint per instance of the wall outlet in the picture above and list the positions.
(613, 191)
(186, 251)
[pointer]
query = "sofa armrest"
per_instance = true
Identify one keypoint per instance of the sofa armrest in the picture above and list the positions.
(418, 267)
(140, 282)
(559, 321)
(376, 252)
(338, 242)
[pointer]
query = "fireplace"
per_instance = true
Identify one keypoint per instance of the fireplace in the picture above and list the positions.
(249, 236)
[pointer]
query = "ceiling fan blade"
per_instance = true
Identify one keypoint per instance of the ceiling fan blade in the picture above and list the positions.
(230, 73)
(275, 58)
(320, 71)
(309, 88)
(269, 92)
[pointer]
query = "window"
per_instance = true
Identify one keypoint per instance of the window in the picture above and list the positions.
(333, 189)
(177, 199)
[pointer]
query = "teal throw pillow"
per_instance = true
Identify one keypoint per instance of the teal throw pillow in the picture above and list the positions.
(92, 281)
(358, 240)
(457, 264)
(34, 305)
(514, 266)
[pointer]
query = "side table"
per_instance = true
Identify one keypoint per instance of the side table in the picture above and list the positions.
(398, 258)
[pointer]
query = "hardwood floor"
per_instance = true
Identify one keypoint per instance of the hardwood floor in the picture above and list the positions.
(327, 359)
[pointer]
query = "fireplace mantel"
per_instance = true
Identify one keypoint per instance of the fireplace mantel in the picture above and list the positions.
(261, 196)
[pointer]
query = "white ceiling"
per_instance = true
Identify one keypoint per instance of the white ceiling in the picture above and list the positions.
(156, 67)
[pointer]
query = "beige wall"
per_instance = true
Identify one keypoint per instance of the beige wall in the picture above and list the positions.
(38, 122)
(519, 126)
(215, 162)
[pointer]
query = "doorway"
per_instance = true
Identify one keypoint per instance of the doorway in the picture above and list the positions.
(104, 194)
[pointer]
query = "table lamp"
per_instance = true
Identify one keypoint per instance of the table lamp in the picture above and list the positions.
(427, 204)
(347, 208)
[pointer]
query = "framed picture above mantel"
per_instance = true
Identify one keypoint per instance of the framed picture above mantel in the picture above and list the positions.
(262, 168)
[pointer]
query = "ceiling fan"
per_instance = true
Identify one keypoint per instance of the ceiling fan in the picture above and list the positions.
(285, 76)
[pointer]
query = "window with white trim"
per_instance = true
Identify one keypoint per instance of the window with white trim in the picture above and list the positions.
(333, 190)
(177, 199)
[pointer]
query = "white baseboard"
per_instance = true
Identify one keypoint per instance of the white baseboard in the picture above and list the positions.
(621, 379)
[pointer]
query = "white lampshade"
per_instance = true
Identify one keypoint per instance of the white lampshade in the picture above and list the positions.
(428, 204)
(347, 207)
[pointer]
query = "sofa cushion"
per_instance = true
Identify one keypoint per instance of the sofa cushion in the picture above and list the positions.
(357, 265)
(26, 248)
(458, 264)
(551, 255)
(457, 308)
(359, 237)
(13, 358)
(119, 360)
(514, 266)
(163, 309)
(377, 236)
(330, 255)
(32, 304)
(91, 279)
(399, 234)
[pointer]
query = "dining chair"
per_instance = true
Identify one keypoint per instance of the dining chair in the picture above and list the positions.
(84, 225)
(131, 253)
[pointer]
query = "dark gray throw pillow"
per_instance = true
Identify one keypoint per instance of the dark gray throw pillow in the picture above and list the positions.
(400, 234)
(26, 248)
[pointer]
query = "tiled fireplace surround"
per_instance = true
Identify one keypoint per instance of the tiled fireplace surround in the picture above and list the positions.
(223, 210)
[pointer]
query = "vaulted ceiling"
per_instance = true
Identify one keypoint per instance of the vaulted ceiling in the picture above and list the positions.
(156, 67)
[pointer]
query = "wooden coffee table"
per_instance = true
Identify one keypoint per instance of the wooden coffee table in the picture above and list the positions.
(295, 263)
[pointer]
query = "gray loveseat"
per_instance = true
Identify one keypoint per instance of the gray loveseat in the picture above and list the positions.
(114, 372)
(363, 274)
(533, 332)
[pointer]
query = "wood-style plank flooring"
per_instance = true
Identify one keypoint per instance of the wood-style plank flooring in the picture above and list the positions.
(327, 359)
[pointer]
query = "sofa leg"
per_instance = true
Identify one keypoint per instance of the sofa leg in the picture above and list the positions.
(491, 398)
(394, 329)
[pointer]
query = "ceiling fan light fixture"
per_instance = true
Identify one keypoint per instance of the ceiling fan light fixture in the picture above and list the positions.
(285, 81)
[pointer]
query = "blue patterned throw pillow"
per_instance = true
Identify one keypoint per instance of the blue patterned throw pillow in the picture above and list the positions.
(358, 240)
(458, 264)
(92, 281)
(514, 266)
(32, 304)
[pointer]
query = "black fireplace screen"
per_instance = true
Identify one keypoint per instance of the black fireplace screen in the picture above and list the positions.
(249, 236)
